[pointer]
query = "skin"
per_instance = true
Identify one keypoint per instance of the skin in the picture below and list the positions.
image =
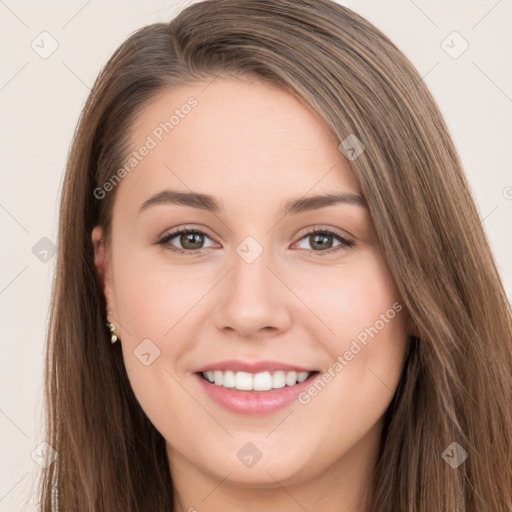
(252, 146)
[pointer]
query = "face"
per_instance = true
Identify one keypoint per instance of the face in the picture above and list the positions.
(250, 296)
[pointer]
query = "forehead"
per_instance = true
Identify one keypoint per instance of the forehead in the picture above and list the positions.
(233, 135)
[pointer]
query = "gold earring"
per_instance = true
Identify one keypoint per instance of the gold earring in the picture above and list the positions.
(112, 328)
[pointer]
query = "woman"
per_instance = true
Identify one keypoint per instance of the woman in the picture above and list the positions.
(264, 205)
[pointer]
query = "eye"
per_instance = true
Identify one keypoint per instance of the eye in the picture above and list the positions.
(320, 241)
(191, 240)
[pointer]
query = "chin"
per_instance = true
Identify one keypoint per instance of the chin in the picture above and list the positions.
(261, 462)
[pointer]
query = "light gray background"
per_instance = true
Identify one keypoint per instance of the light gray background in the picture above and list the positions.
(40, 101)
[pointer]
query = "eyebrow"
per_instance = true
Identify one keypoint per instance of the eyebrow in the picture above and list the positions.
(209, 203)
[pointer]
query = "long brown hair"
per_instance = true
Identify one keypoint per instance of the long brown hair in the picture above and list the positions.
(456, 385)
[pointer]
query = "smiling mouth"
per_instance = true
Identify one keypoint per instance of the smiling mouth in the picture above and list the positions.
(262, 381)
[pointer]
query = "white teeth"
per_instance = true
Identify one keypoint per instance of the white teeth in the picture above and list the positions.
(218, 377)
(229, 379)
(278, 380)
(291, 378)
(243, 381)
(262, 381)
(302, 376)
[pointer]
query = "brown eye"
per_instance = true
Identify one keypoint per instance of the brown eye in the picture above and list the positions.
(188, 240)
(321, 241)
(191, 240)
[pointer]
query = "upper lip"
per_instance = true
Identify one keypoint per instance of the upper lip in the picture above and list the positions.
(251, 366)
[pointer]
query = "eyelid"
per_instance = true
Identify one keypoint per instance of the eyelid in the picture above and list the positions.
(186, 227)
(322, 227)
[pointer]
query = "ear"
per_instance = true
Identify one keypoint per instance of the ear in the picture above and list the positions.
(102, 268)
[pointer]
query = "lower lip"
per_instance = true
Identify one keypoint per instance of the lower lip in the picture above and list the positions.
(254, 403)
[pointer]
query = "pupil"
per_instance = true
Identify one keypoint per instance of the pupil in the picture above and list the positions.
(320, 244)
(190, 238)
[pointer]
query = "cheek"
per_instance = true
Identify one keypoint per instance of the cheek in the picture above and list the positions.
(366, 339)
(152, 296)
(350, 300)
(152, 302)
(366, 357)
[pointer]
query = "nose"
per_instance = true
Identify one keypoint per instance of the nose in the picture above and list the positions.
(253, 302)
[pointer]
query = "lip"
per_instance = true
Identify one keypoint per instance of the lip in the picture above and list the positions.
(252, 366)
(253, 403)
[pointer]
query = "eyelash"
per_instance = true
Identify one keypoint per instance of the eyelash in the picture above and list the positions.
(344, 243)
